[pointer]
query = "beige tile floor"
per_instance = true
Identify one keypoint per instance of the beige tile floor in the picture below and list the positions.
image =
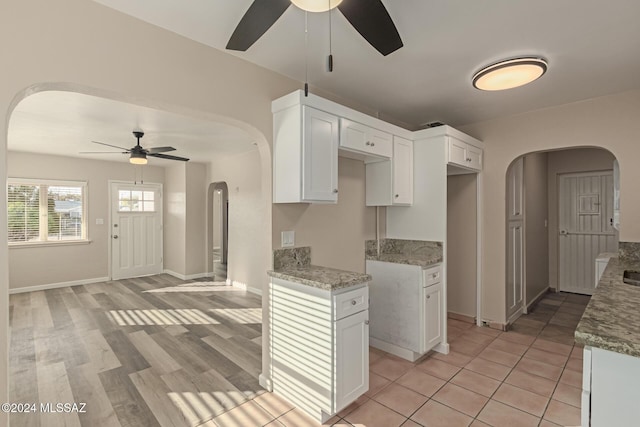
(527, 377)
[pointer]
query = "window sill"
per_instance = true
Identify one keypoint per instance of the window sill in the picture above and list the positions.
(22, 245)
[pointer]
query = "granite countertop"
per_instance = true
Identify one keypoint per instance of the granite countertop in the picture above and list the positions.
(611, 321)
(411, 252)
(329, 279)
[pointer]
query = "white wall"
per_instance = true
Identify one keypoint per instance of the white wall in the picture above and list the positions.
(611, 122)
(569, 161)
(335, 232)
(196, 227)
(175, 218)
(35, 266)
(462, 244)
(247, 217)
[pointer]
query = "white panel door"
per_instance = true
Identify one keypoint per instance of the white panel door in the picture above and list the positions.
(136, 230)
(585, 215)
(515, 273)
(320, 156)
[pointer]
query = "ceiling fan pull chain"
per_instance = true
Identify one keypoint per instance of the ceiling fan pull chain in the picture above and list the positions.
(330, 45)
(306, 54)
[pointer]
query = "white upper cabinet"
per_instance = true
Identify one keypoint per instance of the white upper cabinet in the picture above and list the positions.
(305, 159)
(359, 138)
(463, 154)
(390, 183)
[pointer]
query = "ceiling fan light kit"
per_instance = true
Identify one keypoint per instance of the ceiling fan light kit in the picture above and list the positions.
(316, 5)
(138, 158)
(510, 73)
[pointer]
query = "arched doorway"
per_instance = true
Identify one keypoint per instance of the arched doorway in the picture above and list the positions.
(218, 237)
(559, 215)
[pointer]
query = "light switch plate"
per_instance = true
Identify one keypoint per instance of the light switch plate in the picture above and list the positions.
(288, 239)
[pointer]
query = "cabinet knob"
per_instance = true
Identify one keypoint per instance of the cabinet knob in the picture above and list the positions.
(428, 296)
(335, 191)
(366, 322)
(373, 144)
(353, 302)
(397, 195)
(434, 275)
(367, 143)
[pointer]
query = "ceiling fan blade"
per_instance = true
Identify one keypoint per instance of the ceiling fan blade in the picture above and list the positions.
(109, 145)
(371, 19)
(260, 16)
(159, 149)
(103, 152)
(165, 156)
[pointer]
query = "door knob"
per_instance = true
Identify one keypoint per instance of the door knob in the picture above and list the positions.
(335, 191)
(564, 232)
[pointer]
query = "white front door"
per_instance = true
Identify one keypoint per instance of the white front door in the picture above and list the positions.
(586, 211)
(136, 230)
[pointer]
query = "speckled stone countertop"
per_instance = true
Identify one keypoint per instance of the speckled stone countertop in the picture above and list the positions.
(329, 279)
(412, 252)
(611, 321)
(294, 264)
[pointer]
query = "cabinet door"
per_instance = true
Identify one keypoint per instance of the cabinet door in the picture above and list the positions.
(457, 152)
(352, 358)
(474, 157)
(433, 316)
(319, 156)
(402, 171)
(380, 143)
(353, 135)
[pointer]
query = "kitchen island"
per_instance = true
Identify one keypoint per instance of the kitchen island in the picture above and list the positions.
(319, 333)
(610, 332)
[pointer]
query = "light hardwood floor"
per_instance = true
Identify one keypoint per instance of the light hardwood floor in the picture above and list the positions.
(150, 351)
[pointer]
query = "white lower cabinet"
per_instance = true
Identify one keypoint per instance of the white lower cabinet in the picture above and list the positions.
(319, 346)
(407, 308)
(610, 391)
(433, 313)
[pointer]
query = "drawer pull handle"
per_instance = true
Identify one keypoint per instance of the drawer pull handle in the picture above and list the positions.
(353, 302)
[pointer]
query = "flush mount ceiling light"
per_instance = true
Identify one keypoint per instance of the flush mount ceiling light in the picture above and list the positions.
(509, 73)
(316, 5)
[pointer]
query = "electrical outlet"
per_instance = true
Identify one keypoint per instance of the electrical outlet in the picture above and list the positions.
(288, 239)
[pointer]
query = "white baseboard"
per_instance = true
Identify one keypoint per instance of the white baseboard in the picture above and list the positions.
(404, 353)
(244, 287)
(535, 300)
(57, 285)
(265, 382)
(187, 276)
(442, 348)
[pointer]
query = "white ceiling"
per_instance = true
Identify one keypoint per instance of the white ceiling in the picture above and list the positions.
(592, 47)
(65, 123)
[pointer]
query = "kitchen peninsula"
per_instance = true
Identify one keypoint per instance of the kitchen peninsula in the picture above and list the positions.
(319, 341)
(610, 332)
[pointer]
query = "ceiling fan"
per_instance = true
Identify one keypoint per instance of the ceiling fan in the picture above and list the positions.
(369, 17)
(138, 154)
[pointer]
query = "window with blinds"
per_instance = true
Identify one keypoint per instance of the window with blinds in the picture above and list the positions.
(45, 211)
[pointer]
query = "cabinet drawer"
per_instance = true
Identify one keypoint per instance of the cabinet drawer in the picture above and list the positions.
(351, 302)
(359, 138)
(432, 275)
